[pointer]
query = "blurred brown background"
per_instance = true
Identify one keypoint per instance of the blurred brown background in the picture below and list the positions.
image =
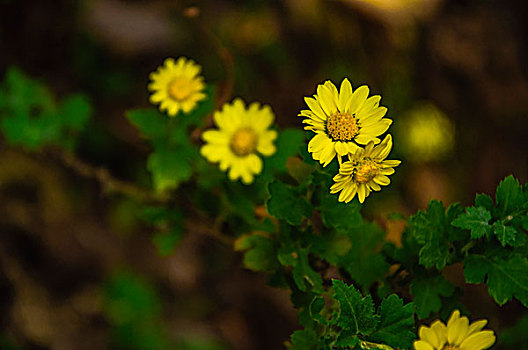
(75, 263)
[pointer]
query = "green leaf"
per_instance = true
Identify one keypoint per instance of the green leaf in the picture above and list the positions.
(288, 144)
(286, 203)
(509, 197)
(476, 220)
(356, 312)
(506, 276)
(507, 235)
(303, 274)
(149, 122)
(483, 200)
(306, 339)
(339, 215)
(169, 166)
(430, 230)
(260, 252)
(427, 292)
(396, 327)
(166, 242)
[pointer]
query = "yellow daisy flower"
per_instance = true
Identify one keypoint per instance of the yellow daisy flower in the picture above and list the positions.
(342, 120)
(457, 335)
(242, 135)
(177, 86)
(366, 170)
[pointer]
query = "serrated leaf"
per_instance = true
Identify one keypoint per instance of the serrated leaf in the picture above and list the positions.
(427, 292)
(509, 196)
(483, 200)
(285, 203)
(356, 312)
(339, 215)
(507, 235)
(315, 308)
(430, 231)
(506, 276)
(476, 220)
(169, 167)
(396, 326)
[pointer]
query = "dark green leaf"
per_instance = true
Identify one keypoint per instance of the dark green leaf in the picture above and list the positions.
(507, 235)
(303, 274)
(483, 200)
(149, 121)
(396, 327)
(305, 340)
(476, 220)
(356, 312)
(286, 203)
(288, 144)
(427, 292)
(509, 197)
(506, 276)
(260, 252)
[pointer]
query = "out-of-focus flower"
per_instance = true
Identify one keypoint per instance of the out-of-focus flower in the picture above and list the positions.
(426, 134)
(366, 171)
(242, 135)
(457, 335)
(342, 120)
(177, 86)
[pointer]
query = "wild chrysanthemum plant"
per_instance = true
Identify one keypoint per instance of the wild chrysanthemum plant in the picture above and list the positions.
(177, 86)
(459, 334)
(243, 135)
(342, 121)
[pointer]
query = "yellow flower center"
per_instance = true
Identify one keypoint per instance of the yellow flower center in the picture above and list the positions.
(244, 142)
(366, 171)
(180, 89)
(342, 126)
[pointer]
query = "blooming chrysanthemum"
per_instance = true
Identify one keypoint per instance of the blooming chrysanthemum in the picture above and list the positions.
(242, 135)
(457, 335)
(366, 170)
(342, 120)
(177, 86)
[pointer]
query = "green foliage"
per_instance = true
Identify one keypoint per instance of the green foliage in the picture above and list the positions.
(505, 274)
(288, 144)
(286, 203)
(357, 312)
(476, 220)
(30, 117)
(427, 292)
(169, 223)
(396, 326)
(260, 252)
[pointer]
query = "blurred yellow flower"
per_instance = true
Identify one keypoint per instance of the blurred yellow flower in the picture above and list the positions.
(457, 335)
(426, 134)
(366, 170)
(242, 135)
(342, 120)
(177, 86)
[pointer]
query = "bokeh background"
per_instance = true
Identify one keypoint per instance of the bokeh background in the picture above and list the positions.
(78, 269)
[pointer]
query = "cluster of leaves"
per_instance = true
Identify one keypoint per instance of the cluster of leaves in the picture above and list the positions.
(30, 116)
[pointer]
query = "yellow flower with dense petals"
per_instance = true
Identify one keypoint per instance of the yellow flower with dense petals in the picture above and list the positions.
(457, 335)
(366, 170)
(177, 86)
(342, 121)
(242, 135)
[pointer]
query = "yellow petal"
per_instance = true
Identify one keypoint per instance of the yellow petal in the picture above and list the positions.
(440, 330)
(422, 345)
(477, 326)
(456, 332)
(326, 98)
(254, 163)
(327, 155)
(361, 192)
(378, 128)
(319, 142)
(358, 98)
(341, 148)
(381, 180)
(215, 136)
(314, 105)
(478, 341)
(345, 94)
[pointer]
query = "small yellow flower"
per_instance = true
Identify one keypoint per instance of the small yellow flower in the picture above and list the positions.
(457, 335)
(177, 86)
(242, 135)
(342, 120)
(366, 170)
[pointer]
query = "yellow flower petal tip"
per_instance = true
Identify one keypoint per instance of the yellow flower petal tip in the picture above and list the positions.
(242, 136)
(177, 86)
(458, 334)
(342, 120)
(366, 171)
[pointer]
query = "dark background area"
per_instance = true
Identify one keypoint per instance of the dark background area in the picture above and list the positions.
(73, 261)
